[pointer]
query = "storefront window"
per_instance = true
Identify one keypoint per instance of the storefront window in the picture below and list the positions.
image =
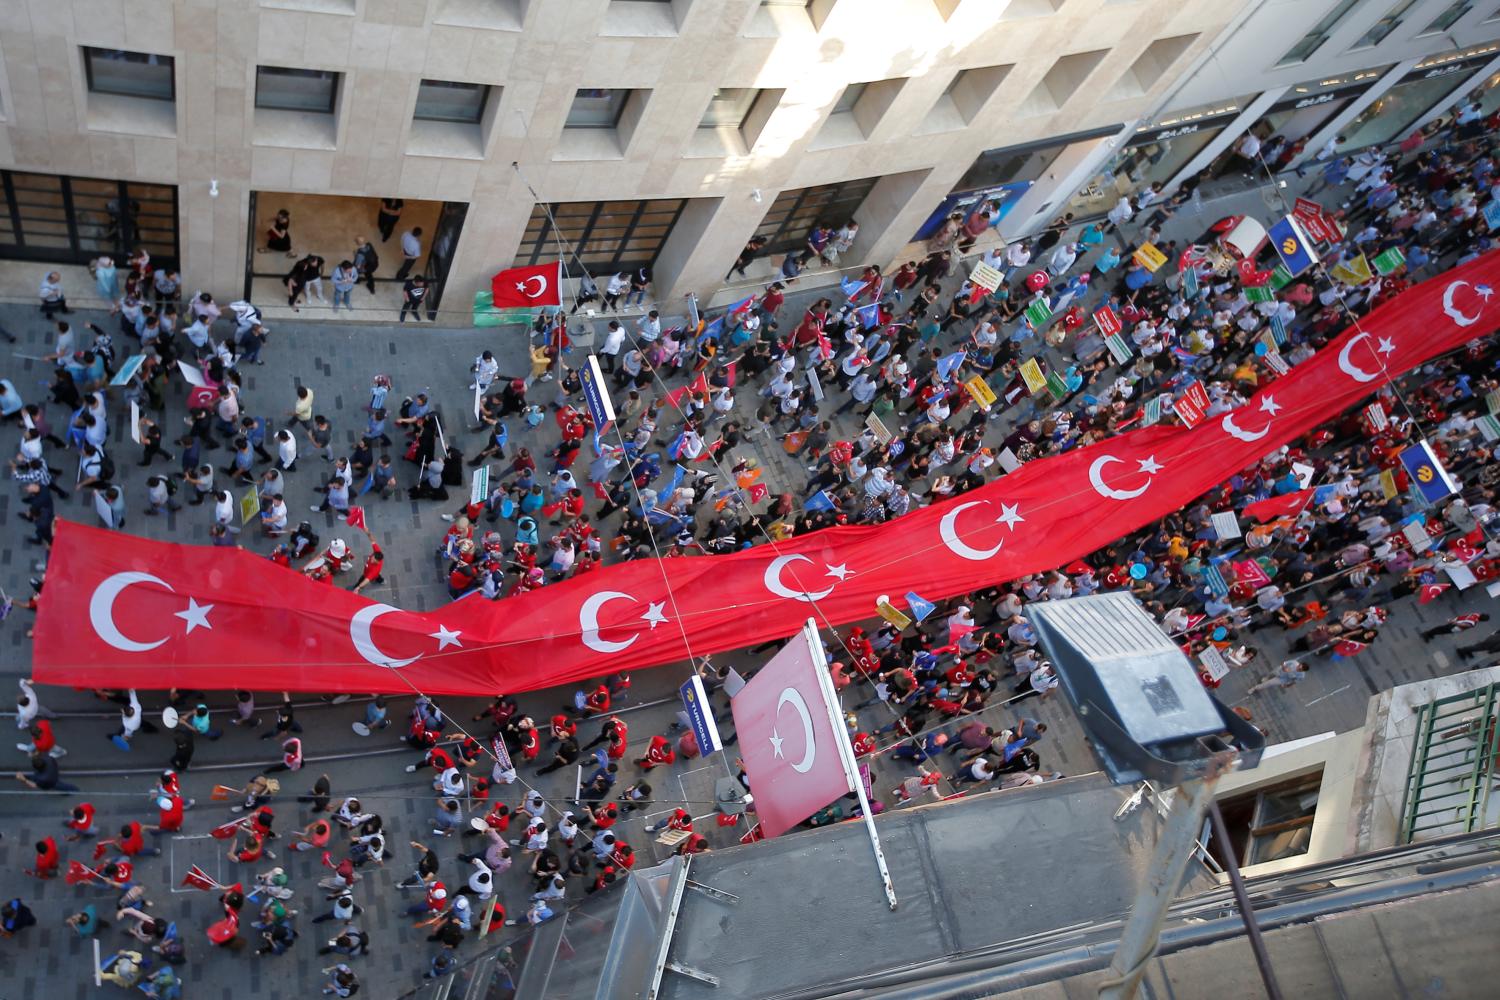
(1489, 95)
(1155, 156)
(1393, 114)
(69, 220)
(607, 236)
(793, 214)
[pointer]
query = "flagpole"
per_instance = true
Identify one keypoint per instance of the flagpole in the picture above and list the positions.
(846, 752)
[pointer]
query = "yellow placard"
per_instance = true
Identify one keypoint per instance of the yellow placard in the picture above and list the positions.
(1031, 373)
(1388, 484)
(882, 433)
(1148, 256)
(892, 614)
(981, 391)
(1354, 272)
(250, 505)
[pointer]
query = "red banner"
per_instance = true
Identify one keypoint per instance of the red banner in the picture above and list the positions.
(123, 611)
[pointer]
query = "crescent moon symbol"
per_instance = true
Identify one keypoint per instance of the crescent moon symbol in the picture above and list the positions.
(1349, 367)
(775, 586)
(541, 286)
(359, 634)
(810, 751)
(1243, 435)
(1096, 478)
(102, 610)
(588, 620)
(1453, 311)
(956, 544)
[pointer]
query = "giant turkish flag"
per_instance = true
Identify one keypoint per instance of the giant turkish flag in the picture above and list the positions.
(787, 740)
(161, 615)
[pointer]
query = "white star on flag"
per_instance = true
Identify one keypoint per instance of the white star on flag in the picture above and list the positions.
(1387, 346)
(1009, 515)
(654, 614)
(1269, 405)
(447, 637)
(196, 616)
(776, 740)
(1149, 464)
(842, 571)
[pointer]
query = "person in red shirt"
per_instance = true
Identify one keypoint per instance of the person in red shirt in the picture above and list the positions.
(169, 816)
(436, 901)
(613, 733)
(604, 818)
(313, 836)
(42, 739)
(680, 819)
(595, 702)
(623, 856)
(47, 859)
(374, 563)
(530, 743)
(131, 843)
(80, 822)
(659, 752)
(255, 846)
(771, 301)
(562, 728)
(695, 844)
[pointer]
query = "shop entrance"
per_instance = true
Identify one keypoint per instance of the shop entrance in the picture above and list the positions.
(329, 225)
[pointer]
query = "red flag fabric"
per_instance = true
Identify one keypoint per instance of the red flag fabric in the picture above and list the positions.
(758, 492)
(227, 830)
(197, 878)
(1432, 591)
(528, 287)
(787, 740)
(80, 872)
(123, 611)
(1273, 507)
(1349, 647)
(356, 519)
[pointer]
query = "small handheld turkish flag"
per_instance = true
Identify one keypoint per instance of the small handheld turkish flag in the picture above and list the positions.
(787, 739)
(356, 519)
(1432, 591)
(527, 287)
(197, 878)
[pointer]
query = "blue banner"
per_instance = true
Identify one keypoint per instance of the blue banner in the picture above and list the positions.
(700, 715)
(1428, 477)
(596, 395)
(1292, 245)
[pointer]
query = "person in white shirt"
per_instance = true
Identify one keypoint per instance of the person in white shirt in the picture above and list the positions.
(1017, 255)
(486, 368)
(619, 284)
(649, 327)
(286, 449)
(614, 339)
(411, 249)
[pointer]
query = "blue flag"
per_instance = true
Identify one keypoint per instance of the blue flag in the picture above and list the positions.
(868, 316)
(1278, 330)
(947, 366)
(1292, 246)
(712, 330)
(676, 480)
(919, 607)
(819, 501)
(852, 286)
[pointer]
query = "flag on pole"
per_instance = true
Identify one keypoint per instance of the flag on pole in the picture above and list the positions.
(356, 519)
(528, 287)
(1432, 591)
(787, 740)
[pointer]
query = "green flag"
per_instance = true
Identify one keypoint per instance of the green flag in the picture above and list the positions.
(1038, 313)
(1260, 294)
(1389, 261)
(1280, 277)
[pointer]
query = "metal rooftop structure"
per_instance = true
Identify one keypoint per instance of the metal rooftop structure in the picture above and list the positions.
(1451, 778)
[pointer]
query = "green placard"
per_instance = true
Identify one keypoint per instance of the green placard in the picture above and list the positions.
(1389, 261)
(485, 313)
(1492, 401)
(1038, 313)
(1118, 349)
(1153, 411)
(1190, 282)
(1260, 294)
(1280, 277)
(1489, 428)
(1056, 386)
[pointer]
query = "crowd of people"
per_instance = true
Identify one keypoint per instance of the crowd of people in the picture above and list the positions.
(675, 478)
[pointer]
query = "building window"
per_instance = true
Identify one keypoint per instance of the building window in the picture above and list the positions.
(848, 99)
(728, 107)
(1449, 17)
(597, 108)
(71, 220)
(1314, 39)
(1387, 24)
(607, 236)
(1270, 823)
(129, 74)
(794, 213)
(448, 101)
(280, 89)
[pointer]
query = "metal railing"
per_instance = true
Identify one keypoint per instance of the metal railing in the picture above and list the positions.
(1453, 765)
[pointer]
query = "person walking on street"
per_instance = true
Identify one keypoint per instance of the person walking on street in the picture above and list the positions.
(1455, 625)
(1289, 673)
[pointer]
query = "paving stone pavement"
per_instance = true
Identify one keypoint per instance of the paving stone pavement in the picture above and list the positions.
(337, 361)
